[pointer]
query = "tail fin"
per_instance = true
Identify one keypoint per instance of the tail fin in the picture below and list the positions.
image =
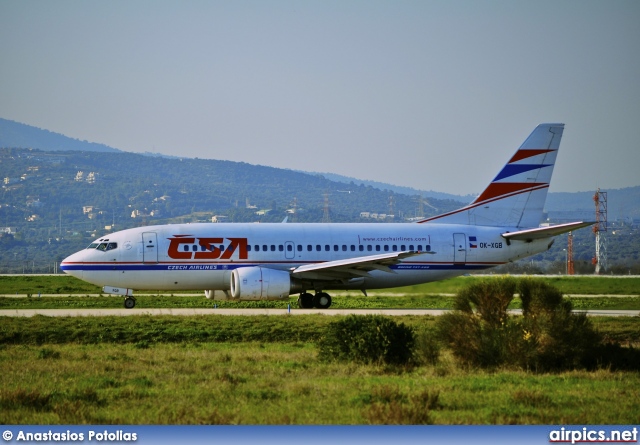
(516, 196)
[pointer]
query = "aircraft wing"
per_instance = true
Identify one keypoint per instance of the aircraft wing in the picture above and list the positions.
(352, 267)
(545, 232)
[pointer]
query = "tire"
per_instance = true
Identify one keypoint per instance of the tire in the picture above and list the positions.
(322, 300)
(305, 301)
(129, 303)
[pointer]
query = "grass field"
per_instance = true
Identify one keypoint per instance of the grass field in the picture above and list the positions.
(255, 383)
(613, 293)
(581, 285)
(264, 370)
(343, 302)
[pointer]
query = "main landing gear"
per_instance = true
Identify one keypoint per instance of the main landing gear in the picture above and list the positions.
(129, 302)
(321, 300)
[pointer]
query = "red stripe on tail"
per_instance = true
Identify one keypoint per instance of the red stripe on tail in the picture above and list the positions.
(527, 153)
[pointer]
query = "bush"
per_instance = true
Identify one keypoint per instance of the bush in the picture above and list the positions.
(615, 357)
(538, 296)
(554, 338)
(557, 340)
(548, 337)
(427, 347)
(478, 331)
(487, 298)
(367, 339)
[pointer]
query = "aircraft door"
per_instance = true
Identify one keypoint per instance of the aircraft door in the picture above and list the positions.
(459, 248)
(149, 247)
(289, 250)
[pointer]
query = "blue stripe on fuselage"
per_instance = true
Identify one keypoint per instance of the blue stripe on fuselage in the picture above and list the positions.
(210, 267)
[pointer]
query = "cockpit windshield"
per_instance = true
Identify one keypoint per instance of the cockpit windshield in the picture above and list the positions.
(103, 245)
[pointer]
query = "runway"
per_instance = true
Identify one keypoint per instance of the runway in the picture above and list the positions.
(253, 312)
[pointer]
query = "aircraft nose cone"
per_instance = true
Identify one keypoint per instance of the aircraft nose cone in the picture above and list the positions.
(72, 265)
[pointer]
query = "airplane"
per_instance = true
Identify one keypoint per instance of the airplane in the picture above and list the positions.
(248, 261)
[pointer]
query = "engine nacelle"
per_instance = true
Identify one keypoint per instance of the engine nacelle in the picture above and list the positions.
(260, 283)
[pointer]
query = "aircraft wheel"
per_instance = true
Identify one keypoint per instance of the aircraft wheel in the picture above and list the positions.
(129, 302)
(322, 300)
(305, 301)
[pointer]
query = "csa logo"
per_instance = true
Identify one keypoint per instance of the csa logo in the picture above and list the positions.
(209, 248)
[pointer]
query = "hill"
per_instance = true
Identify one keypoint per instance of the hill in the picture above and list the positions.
(15, 134)
(398, 189)
(161, 188)
(56, 202)
(623, 204)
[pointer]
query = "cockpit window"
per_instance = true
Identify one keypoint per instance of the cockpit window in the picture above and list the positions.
(107, 246)
(103, 244)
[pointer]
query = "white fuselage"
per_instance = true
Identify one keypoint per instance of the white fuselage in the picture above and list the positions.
(202, 256)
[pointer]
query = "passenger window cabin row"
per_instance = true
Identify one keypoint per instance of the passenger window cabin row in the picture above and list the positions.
(322, 248)
(299, 247)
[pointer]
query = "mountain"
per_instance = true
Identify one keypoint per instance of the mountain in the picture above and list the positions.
(121, 183)
(396, 188)
(623, 204)
(15, 134)
(53, 203)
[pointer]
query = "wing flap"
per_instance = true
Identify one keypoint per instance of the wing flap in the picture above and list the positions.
(353, 267)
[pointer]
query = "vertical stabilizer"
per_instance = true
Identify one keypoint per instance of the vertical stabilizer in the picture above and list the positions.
(516, 196)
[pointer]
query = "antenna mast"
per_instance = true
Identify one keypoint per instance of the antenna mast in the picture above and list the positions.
(325, 215)
(570, 254)
(295, 209)
(420, 213)
(600, 260)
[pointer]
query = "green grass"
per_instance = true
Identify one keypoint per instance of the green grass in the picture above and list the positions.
(161, 329)
(265, 370)
(625, 330)
(588, 285)
(352, 301)
(165, 301)
(77, 294)
(149, 329)
(34, 284)
(284, 383)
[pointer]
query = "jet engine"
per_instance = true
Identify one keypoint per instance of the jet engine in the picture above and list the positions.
(260, 283)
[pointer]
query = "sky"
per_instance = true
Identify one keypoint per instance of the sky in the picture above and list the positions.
(435, 95)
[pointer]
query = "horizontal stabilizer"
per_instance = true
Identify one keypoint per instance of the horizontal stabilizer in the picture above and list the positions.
(545, 232)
